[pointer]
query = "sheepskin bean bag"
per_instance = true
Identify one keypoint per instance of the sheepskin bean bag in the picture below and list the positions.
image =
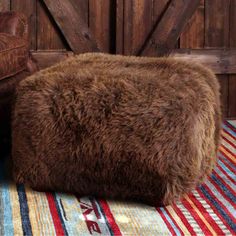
(144, 129)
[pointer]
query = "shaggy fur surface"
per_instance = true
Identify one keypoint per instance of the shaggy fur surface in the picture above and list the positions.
(144, 129)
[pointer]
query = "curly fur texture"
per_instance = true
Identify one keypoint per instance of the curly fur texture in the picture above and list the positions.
(144, 129)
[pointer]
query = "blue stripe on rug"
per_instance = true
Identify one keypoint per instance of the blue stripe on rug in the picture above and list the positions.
(60, 214)
(226, 178)
(24, 210)
(7, 210)
(1, 213)
(170, 221)
(226, 169)
(222, 157)
(229, 130)
(232, 124)
(218, 207)
(226, 191)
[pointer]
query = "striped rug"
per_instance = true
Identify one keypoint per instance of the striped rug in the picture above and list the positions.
(208, 210)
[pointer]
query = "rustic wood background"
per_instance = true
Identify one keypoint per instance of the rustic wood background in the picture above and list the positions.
(123, 26)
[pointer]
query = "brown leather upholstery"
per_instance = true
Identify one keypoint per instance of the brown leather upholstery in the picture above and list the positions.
(13, 55)
(14, 23)
(14, 46)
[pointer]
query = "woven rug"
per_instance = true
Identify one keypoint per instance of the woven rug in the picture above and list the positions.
(208, 210)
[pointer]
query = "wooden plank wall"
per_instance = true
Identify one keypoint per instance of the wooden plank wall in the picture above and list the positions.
(213, 26)
(121, 26)
(232, 44)
(44, 32)
(209, 28)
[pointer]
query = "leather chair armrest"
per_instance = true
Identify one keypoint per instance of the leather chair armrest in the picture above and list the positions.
(14, 23)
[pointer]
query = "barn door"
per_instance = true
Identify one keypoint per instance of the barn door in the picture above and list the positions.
(154, 33)
(85, 24)
(151, 27)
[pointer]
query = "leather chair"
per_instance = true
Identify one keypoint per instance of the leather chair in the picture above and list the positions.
(15, 64)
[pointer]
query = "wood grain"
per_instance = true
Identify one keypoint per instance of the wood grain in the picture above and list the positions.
(232, 78)
(48, 35)
(99, 22)
(159, 7)
(135, 20)
(141, 24)
(119, 26)
(46, 58)
(28, 7)
(4, 5)
(208, 57)
(217, 35)
(193, 34)
(217, 23)
(128, 27)
(169, 28)
(221, 61)
(70, 21)
(82, 6)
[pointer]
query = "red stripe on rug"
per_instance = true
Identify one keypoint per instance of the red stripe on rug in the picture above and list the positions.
(230, 126)
(228, 133)
(215, 211)
(172, 231)
(195, 215)
(220, 203)
(225, 197)
(206, 215)
(225, 162)
(110, 218)
(229, 142)
(226, 174)
(173, 220)
(224, 183)
(230, 152)
(220, 191)
(55, 217)
(184, 219)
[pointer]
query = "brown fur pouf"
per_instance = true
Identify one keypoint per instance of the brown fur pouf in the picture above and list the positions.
(144, 129)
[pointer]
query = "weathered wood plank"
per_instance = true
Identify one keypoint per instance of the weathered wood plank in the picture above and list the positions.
(168, 30)
(217, 35)
(48, 36)
(135, 21)
(46, 58)
(70, 21)
(224, 90)
(119, 26)
(142, 23)
(221, 61)
(28, 7)
(232, 78)
(193, 34)
(128, 26)
(4, 5)
(159, 7)
(99, 22)
(83, 7)
(217, 23)
(232, 96)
